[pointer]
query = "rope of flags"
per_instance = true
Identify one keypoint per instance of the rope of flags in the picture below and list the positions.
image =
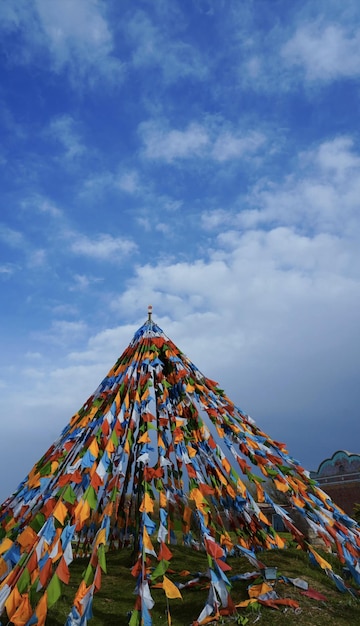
(157, 444)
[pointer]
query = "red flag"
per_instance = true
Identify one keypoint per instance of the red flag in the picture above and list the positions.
(315, 595)
(45, 572)
(63, 571)
(164, 553)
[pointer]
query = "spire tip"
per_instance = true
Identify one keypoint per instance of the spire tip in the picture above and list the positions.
(149, 313)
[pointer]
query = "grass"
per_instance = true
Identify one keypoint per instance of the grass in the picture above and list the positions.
(116, 596)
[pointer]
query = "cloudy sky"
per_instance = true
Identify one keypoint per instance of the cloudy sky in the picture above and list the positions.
(199, 155)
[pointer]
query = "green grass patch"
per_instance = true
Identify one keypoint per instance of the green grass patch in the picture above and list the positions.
(116, 596)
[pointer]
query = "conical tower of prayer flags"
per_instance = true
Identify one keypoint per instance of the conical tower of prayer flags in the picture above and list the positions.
(157, 442)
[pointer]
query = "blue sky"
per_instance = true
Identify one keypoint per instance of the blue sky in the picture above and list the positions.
(200, 156)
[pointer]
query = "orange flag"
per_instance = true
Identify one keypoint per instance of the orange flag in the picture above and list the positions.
(60, 512)
(81, 513)
(3, 566)
(259, 492)
(41, 610)
(97, 579)
(13, 602)
(80, 595)
(23, 612)
(27, 538)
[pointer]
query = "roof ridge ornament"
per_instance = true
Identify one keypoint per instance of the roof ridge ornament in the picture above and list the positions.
(150, 313)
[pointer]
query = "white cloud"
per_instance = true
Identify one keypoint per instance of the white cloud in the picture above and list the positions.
(103, 347)
(37, 258)
(62, 333)
(323, 194)
(152, 47)
(75, 35)
(97, 183)
(128, 181)
(122, 179)
(325, 51)
(82, 282)
(197, 140)
(163, 227)
(173, 144)
(13, 238)
(65, 310)
(79, 38)
(33, 355)
(103, 247)
(228, 146)
(215, 219)
(145, 223)
(7, 269)
(63, 130)
(338, 157)
(41, 204)
(48, 207)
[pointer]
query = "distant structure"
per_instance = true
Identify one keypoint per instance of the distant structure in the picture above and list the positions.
(339, 477)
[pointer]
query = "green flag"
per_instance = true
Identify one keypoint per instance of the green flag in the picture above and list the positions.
(135, 619)
(160, 569)
(91, 497)
(24, 581)
(53, 590)
(101, 557)
(69, 495)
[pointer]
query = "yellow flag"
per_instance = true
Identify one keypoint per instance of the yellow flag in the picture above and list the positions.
(162, 500)
(147, 504)
(94, 448)
(101, 537)
(171, 590)
(245, 603)
(195, 494)
(5, 545)
(258, 590)
(145, 438)
(323, 564)
(148, 546)
(280, 486)
(226, 465)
